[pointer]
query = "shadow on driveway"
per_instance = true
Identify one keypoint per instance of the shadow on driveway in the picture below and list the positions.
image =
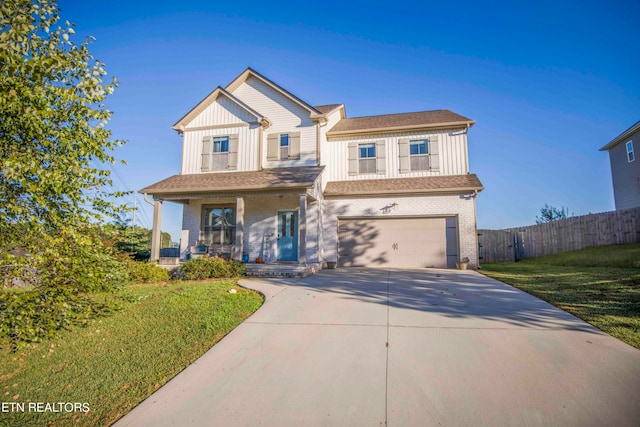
(451, 294)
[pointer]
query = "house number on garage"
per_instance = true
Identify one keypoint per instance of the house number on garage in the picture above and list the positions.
(395, 246)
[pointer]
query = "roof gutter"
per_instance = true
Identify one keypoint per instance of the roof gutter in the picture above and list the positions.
(624, 135)
(454, 190)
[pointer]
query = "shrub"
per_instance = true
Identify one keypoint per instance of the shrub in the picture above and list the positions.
(143, 272)
(209, 268)
(31, 315)
(176, 274)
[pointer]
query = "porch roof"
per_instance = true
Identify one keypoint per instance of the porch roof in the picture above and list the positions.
(426, 184)
(267, 179)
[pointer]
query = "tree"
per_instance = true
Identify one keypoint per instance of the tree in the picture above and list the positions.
(52, 141)
(133, 239)
(550, 213)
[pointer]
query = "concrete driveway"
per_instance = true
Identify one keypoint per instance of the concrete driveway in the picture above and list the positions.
(403, 348)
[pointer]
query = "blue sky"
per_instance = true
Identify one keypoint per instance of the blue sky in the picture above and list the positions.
(548, 83)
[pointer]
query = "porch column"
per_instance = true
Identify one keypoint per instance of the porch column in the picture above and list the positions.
(239, 247)
(156, 235)
(302, 230)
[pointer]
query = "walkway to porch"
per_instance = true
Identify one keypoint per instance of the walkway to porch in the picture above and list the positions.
(282, 269)
(259, 270)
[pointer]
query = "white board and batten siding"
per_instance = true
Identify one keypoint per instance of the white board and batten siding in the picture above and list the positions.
(247, 147)
(332, 119)
(222, 118)
(285, 116)
(452, 155)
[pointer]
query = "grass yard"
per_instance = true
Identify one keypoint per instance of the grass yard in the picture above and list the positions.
(599, 285)
(116, 362)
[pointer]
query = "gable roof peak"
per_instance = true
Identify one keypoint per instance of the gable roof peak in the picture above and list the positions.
(208, 100)
(250, 72)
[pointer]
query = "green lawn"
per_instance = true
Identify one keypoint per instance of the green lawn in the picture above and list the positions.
(599, 285)
(114, 363)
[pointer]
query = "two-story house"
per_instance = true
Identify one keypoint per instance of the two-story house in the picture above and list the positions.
(266, 175)
(625, 169)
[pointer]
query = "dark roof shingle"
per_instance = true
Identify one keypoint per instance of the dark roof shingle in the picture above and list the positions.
(418, 119)
(236, 181)
(427, 184)
(324, 109)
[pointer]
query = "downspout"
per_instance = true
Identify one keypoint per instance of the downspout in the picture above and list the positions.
(466, 149)
(318, 143)
(264, 124)
(475, 226)
(146, 199)
(183, 151)
(260, 139)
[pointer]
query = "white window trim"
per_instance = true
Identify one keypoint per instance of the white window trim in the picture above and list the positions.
(280, 146)
(426, 155)
(373, 159)
(213, 144)
(630, 153)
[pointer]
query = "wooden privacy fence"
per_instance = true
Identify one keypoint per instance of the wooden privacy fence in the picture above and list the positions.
(569, 234)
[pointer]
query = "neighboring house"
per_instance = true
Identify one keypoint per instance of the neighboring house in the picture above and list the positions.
(625, 168)
(266, 175)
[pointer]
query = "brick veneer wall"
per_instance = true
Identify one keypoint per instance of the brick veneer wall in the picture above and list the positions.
(260, 219)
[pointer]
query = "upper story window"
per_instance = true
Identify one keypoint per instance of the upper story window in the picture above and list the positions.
(367, 158)
(419, 154)
(220, 160)
(219, 153)
(630, 156)
(220, 144)
(283, 146)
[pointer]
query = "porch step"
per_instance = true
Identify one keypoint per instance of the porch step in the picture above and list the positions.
(282, 270)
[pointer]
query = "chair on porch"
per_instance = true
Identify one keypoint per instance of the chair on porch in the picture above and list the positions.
(199, 250)
(222, 251)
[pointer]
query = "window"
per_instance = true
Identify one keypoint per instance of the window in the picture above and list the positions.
(220, 156)
(220, 144)
(219, 153)
(630, 156)
(367, 158)
(284, 146)
(220, 225)
(419, 154)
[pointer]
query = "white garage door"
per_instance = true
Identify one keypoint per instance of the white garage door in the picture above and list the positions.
(397, 242)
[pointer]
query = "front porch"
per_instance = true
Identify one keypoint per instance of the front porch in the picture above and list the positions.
(270, 220)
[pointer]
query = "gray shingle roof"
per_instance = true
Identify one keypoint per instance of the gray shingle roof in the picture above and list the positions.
(623, 136)
(324, 109)
(429, 184)
(298, 177)
(418, 119)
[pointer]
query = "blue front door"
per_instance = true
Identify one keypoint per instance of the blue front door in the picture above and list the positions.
(287, 236)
